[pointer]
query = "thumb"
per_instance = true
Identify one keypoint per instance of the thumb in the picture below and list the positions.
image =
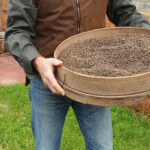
(56, 62)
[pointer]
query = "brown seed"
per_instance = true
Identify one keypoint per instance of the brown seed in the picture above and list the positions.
(122, 55)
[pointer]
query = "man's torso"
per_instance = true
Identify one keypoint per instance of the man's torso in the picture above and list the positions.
(60, 19)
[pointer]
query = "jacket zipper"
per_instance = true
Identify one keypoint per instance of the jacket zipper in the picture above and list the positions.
(33, 3)
(78, 16)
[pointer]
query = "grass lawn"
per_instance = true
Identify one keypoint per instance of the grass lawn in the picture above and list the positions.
(131, 132)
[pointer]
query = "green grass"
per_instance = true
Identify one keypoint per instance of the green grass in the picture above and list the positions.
(131, 132)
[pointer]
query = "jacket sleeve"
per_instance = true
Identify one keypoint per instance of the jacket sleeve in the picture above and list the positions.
(124, 13)
(20, 31)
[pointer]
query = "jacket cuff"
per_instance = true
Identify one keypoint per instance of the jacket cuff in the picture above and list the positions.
(29, 53)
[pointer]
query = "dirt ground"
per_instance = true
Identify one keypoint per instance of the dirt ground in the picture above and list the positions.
(143, 108)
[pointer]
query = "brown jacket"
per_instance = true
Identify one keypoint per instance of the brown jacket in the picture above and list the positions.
(60, 19)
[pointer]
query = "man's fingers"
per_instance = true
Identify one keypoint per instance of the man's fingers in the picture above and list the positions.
(46, 68)
(54, 84)
(56, 62)
(53, 89)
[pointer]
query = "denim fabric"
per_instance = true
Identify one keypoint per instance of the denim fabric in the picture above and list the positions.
(48, 115)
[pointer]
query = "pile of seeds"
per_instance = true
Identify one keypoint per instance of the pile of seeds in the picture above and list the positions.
(122, 55)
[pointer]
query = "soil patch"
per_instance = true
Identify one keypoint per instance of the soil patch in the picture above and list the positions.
(122, 55)
(143, 108)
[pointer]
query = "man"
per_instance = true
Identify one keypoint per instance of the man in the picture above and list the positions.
(35, 29)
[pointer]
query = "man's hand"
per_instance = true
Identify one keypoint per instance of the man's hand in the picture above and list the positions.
(45, 67)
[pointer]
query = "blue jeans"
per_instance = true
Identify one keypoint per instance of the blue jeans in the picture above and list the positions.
(48, 116)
